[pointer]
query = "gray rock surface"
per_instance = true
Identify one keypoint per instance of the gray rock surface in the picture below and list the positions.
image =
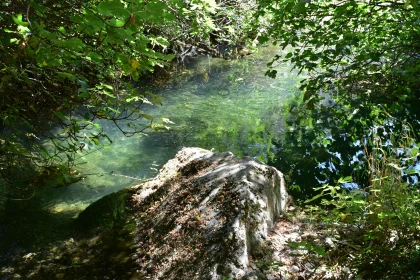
(206, 215)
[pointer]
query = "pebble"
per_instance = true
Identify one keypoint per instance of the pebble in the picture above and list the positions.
(28, 256)
(294, 269)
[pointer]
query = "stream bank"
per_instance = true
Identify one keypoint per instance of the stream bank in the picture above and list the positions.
(211, 103)
(97, 245)
(126, 234)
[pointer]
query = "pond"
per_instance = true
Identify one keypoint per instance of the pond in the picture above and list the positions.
(212, 103)
(216, 104)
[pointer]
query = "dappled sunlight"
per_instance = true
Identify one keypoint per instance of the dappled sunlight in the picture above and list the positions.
(212, 103)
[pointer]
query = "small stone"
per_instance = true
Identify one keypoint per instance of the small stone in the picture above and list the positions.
(29, 256)
(294, 269)
(346, 270)
(8, 270)
(309, 267)
(330, 242)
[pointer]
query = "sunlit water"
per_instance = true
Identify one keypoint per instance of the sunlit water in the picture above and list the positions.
(211, 103)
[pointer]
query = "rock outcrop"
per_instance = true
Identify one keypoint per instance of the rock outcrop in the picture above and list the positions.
(206, 215)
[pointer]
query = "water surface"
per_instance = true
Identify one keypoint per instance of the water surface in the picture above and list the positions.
(216, 104)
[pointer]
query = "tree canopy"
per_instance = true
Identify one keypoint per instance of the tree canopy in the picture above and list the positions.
(351, 48)
(362, 62)
(358, 120)
(72, 63)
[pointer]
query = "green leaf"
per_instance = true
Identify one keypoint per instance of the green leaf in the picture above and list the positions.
(347, 179)
(320, 250)
(135, 75)
(96, 141)
(121, 13)
(271, 73)
(122, 59)
(61, 116)
(414, 152)
(141, 15)
(314, 198)
(107, 7)
(114, 110)
(162, 41)
(93, 21)
(62, 29)
(108, 86)
(146, 116)
(95, 57)
(65, 75)
(107, 93)
(300, 7)
(18, 20)
(72, 44)
(156, 6)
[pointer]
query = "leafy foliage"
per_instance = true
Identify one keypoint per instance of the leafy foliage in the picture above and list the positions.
(323, 144)
(356, 54)
(73, 63)
(58, 57)
(350, 48)
(361, 58)
(379, 225)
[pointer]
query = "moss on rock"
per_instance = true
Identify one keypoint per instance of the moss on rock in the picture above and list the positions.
(107, 212)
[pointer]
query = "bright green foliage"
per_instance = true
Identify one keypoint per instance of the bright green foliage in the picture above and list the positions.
(365, 48)
(72, 63)
(378, 225)
(356, 55)
(362, 62)
(58, 57)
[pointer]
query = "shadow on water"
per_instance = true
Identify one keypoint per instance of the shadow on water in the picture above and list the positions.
(213, 103)
(321, 145)
(45, 245)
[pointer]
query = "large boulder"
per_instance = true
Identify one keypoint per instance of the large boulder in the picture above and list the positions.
(206, 215)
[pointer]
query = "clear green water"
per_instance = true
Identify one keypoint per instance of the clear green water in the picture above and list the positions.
(212, 103)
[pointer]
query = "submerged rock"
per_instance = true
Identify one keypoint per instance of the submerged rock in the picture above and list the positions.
(107, 212)
(206, 215)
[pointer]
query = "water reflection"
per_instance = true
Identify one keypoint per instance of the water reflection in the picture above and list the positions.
(212, 103)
